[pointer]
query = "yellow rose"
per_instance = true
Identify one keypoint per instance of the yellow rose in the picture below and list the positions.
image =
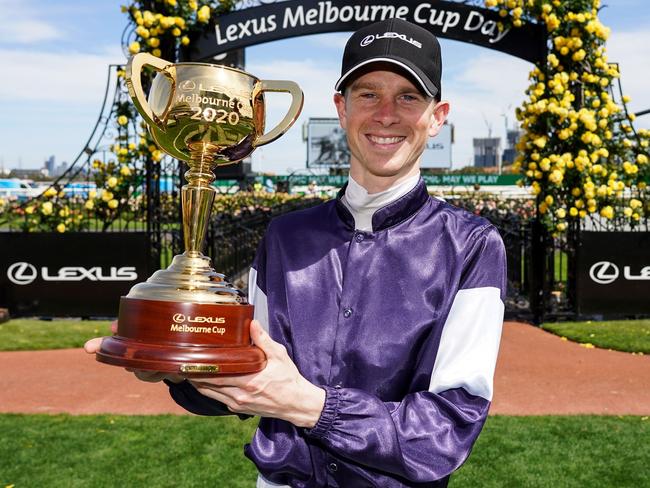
(573, 211)
(28, 210)
(60, 228)
(111, 182)
(185, 40)
(46, 208)
(92, 193)
(50, 192)
(134, 47)
(203, 15)
(113, 204)
(125, 171)
(107, 196)
(89, 205)
(122, 120)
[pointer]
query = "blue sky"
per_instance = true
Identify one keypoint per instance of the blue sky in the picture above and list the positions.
(55, 56)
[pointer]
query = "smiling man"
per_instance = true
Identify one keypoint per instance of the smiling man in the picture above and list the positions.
(380, 312)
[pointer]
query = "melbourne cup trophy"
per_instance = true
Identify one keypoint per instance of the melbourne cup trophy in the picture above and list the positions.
(188, 319)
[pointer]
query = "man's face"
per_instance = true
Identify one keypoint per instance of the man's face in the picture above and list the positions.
(388, 121)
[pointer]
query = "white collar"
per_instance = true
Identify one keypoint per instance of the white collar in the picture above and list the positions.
(362, 205)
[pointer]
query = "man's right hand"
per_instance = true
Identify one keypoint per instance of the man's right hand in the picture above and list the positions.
(93, 345)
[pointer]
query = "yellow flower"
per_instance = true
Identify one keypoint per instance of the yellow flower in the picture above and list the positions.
(549, 199)
(46, 208)
(60, 228)
(560, 213)
(561, 226)
(92, 193)
(627, 211)
(573, 212)
(176, 32)
(89, 205)
(185, 40)
(111, 182)
(203, 15)
(634, 203)
(134, 47)
(153, 42)
(122, 120)
(50, 192)
(113, 204)
(156, 52)
(107, 196)
(642, 159)
(607, 212)
(125, 171)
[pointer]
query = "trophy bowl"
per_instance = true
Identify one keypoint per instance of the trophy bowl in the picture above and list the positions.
(188, 319)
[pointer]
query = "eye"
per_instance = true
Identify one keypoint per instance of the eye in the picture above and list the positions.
(367, 95)
(410, 97)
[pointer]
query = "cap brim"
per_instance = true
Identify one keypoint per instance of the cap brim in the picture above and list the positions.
(427, 85)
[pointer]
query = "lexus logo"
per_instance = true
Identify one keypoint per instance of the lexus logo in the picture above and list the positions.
(22, 273)
(188, 85)
(179, 318)
(603, 272)
(367, 40)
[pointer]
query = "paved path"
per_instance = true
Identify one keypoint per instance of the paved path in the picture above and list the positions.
(537, 373)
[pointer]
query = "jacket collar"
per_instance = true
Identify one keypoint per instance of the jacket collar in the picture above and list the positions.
(391, 214)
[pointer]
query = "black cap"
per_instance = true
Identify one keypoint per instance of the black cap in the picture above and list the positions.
(396, 41)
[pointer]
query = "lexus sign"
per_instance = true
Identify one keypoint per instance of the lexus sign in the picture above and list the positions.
(71, 274)
(613, 273)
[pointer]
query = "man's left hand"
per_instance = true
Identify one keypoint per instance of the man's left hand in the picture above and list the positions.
(278, 391)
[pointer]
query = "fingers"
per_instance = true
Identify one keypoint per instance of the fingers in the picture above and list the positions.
(93, 345)
(114, 327)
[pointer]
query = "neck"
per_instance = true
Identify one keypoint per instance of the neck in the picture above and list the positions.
(363, 204)
(376, 184)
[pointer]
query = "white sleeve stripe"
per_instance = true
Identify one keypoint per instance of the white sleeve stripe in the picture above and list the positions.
(469, 344)
(257, 298)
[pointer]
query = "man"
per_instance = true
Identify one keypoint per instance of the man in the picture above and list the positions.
(380, 312)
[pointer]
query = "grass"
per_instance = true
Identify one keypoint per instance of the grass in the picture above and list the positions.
(620, 335)
(171, 451)
(33, 335)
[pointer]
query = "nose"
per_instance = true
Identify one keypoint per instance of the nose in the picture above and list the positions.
(386, 112)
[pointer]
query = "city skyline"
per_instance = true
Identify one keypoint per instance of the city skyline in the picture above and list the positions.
(57, 55)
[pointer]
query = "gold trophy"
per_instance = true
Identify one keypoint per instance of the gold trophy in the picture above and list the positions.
(188, 319)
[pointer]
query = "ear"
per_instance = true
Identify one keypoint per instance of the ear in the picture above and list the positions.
(438, 117)
(339, 102)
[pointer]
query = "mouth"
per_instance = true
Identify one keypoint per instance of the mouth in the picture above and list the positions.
(385, 141)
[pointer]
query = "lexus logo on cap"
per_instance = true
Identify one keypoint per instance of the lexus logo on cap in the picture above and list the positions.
(22, 273)
(603, 272)
(389, 35)
(367, 40)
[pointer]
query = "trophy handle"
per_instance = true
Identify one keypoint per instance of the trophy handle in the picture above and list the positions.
(297, 99)
(134, 83)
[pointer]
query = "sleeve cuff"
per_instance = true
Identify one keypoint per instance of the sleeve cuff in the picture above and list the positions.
(191, 400)
(329, 414)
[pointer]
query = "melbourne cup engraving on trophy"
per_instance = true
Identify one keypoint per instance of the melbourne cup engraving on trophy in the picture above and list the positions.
(188, 319)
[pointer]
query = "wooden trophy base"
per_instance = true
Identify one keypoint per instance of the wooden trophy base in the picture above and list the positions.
(189, 339)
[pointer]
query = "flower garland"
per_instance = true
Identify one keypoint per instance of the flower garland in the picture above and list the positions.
(579, 152)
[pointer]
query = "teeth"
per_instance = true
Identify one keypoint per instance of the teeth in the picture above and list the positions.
(385, 140)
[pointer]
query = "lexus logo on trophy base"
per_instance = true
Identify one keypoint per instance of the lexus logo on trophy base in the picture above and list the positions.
(188, 319)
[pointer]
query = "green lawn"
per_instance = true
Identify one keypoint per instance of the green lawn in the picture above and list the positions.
(32, 335)
(621, 335)
(188, 451)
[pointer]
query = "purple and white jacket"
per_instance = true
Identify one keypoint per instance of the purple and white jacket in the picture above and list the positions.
(400, 326)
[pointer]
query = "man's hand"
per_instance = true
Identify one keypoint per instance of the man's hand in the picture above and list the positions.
(93, 345)
(278, 391)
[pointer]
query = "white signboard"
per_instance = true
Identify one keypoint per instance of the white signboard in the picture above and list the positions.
(438, 151)
(327, 145)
